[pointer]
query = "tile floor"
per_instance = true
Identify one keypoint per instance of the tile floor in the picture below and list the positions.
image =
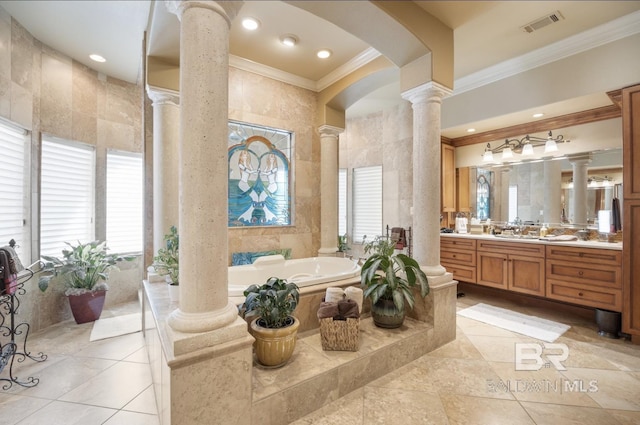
(469, 381)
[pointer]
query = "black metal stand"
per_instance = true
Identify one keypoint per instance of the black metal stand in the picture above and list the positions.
(15, 350)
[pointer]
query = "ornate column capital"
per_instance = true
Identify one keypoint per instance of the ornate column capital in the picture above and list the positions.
(227, 9)
(583, 158)
(329, 130)
(426, 93)
(162, 96)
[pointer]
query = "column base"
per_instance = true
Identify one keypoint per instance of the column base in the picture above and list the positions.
(328, 252)
(181, 321)
(432, 271)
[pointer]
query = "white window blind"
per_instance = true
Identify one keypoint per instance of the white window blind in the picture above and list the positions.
(124, 202)
(66, 195)
(342, 201)
(13, 188)
(367, 203)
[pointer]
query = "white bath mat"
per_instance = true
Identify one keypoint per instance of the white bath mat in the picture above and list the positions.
(116, 326)
(535, 327)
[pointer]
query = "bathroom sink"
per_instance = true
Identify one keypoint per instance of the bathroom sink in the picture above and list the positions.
(516, 236)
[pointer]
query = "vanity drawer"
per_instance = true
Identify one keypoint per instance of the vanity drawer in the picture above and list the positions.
(609, 299)
(465, 258)
(523, 248)
(461, 273)
(609, 257)
(456, 244)
(593, 273)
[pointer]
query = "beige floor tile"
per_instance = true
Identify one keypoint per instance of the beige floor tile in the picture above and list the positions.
(114, 387)
(465, 410)
(552, 414)
(445, 376)
(65, 375)
(346, 410)
(117, 348)
(131, 418)
(61, 413)
(625, 417)
(497, 348)
(14, 408)
(140, 356)
(460, 348)
(546, 385)
(615, 389)
(402, 407)
(143, 403)
(586, 355)
(624, 356)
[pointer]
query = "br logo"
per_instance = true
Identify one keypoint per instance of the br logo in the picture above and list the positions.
(534, 356)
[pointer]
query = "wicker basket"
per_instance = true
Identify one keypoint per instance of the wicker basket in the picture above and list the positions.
(340, 335)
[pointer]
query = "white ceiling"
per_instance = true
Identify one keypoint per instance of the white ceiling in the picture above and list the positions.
(486, 33)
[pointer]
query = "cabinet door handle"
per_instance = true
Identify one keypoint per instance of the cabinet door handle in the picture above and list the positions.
(454, 255)
(580, 293)
(580, 273)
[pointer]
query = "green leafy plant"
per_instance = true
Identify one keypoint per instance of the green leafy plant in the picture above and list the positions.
(166, 263)
(83, 268)
(273, 301)
(343, 243)
(390, 276)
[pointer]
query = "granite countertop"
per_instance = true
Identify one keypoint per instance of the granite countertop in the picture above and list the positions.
(578, 243)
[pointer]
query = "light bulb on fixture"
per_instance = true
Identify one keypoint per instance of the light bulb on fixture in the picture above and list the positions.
(507, 153)
(488, 155)
(527, 149)
(550, 145)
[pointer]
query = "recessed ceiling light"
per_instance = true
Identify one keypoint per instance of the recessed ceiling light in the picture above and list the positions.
(289, 40)
(250, 24)
(470, 130)
(97, 58)
(324, 53)
(538, 115)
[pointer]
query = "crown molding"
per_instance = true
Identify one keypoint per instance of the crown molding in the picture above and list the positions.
(269, 72)
(563, 121)
(617, 29)
(347, 68)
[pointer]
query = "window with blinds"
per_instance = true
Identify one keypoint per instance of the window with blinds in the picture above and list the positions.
(67, 195)
(342, 201)
(124, 202)
(367, 203)
(14, 188)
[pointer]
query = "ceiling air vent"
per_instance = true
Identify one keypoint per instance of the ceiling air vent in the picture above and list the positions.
(543, 22)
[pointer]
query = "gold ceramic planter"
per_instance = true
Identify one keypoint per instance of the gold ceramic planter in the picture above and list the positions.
(274, 347)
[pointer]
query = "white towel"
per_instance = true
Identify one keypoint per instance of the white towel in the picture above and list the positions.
(333, 295)
(355, 294)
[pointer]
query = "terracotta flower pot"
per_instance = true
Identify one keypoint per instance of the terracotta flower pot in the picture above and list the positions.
(274, 347)
(386, 315)
(87, 307)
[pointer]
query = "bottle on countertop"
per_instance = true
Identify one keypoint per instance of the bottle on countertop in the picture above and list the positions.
(543, 230)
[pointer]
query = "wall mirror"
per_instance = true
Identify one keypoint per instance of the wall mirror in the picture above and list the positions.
(505, 192)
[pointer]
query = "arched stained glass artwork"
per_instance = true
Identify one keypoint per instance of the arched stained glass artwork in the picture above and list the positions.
(483, 189)
(259, 175)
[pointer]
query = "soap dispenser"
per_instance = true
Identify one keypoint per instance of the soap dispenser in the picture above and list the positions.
(543, 230)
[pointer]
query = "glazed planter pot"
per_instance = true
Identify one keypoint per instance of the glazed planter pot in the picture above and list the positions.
(385, 314)
(274, 347)
(87, 307)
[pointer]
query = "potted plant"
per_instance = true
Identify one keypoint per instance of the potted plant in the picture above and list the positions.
(388, 280)
(270, 307)
(343, 246)
(166, 262)
(84, 269)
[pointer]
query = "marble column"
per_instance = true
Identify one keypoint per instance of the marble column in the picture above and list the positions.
(328, 190)
(204, 98)
(426, 101)
(166, 134)
(552, 192)
(579, 206)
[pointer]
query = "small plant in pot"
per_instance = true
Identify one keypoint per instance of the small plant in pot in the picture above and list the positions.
(167, 262)
(84, 269)
(388, 280)
(270, 308)
(343, 245)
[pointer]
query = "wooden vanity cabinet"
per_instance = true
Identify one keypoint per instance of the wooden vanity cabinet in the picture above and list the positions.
(585, 276)
(458, 256)
(518, 267)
